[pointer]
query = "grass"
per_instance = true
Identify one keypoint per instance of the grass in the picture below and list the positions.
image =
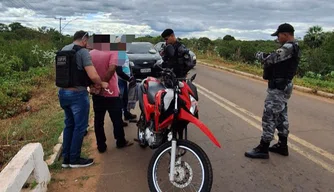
(43, 123)
(33, 185)
(315, 84)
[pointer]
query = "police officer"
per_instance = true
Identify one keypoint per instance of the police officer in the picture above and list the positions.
(174, 59)
(173, 54)
(279, 69)
(75, 101)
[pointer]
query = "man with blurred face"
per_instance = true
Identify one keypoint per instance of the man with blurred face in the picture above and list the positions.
(124, 77)
(279, 69)
(109, 100)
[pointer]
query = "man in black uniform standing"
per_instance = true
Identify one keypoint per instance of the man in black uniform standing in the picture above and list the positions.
(174, 58)
(279, 69)
(174, 52)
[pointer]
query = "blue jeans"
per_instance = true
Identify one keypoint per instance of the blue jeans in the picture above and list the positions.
(76, 107)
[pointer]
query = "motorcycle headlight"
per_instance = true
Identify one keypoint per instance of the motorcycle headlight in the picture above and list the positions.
(193, 104)
(194, 57)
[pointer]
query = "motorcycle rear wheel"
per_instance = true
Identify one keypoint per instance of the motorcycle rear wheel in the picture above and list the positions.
(190, 147)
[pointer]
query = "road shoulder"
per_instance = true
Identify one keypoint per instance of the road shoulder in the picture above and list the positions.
(296, 87)
(80, 179)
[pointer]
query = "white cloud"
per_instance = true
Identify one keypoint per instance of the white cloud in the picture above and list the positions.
(242, 19)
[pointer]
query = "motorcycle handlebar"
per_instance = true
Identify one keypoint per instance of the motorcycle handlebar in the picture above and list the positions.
(165, 71)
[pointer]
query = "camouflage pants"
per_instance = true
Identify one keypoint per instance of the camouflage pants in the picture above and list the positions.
(275, 113)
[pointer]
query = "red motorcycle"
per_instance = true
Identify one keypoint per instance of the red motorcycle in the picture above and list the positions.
(167, 106)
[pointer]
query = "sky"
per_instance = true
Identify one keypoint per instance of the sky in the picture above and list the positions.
(245, 20)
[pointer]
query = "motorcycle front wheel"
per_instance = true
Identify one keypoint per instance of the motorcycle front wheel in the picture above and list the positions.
(184, 173)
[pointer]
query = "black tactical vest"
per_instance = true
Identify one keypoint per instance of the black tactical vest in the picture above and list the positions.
(287, 69)
(176, 61)
(67, 72)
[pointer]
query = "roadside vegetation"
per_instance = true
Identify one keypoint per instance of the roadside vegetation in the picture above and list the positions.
(29, 108)
(316, 69)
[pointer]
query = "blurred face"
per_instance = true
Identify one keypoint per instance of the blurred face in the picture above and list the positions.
(89, 43)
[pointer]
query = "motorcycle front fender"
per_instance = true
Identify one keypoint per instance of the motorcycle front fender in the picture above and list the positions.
(184, 115)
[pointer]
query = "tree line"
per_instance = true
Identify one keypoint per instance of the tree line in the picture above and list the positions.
(27, 57)
(317, 50)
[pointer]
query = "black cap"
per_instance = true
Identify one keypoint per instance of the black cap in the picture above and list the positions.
(166, 33)
(285, 27)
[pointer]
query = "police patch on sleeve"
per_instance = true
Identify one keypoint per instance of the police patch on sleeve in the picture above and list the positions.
(284, 52)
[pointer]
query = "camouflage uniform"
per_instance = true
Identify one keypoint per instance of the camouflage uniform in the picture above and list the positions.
(279, 69)
(275, 113)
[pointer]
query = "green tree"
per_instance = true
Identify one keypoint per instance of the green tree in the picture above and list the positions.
(228, 38)
(15, 26)
(314, 37)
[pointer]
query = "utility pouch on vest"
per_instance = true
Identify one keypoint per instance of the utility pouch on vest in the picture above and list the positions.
(278, 83)
(267, 73)
(66, 67)
(184, 58)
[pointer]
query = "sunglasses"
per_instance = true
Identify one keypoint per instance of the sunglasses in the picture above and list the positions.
(84, 35)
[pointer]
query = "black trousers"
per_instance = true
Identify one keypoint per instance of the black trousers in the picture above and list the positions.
(114, 107)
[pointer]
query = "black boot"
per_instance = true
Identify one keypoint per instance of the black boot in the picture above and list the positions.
(281, 147)
(125, 124)
(259, 152)
(129, 116)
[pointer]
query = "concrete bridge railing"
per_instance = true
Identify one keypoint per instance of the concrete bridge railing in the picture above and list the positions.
(29, 161)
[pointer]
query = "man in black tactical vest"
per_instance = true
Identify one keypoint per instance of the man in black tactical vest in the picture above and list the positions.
(279, 69)
(176, 55)
(74, 73)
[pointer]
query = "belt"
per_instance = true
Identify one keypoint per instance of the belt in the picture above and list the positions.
(70, 89)
(278, 83)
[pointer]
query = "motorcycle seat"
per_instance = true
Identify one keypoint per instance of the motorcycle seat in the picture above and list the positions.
(153, 88)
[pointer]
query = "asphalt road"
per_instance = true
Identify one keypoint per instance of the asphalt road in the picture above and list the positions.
(231, 106)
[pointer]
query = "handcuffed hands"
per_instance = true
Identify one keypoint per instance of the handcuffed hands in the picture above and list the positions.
(95, 89)
(105, 85)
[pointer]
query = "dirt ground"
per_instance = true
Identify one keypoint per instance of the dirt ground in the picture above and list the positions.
(79, 179)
